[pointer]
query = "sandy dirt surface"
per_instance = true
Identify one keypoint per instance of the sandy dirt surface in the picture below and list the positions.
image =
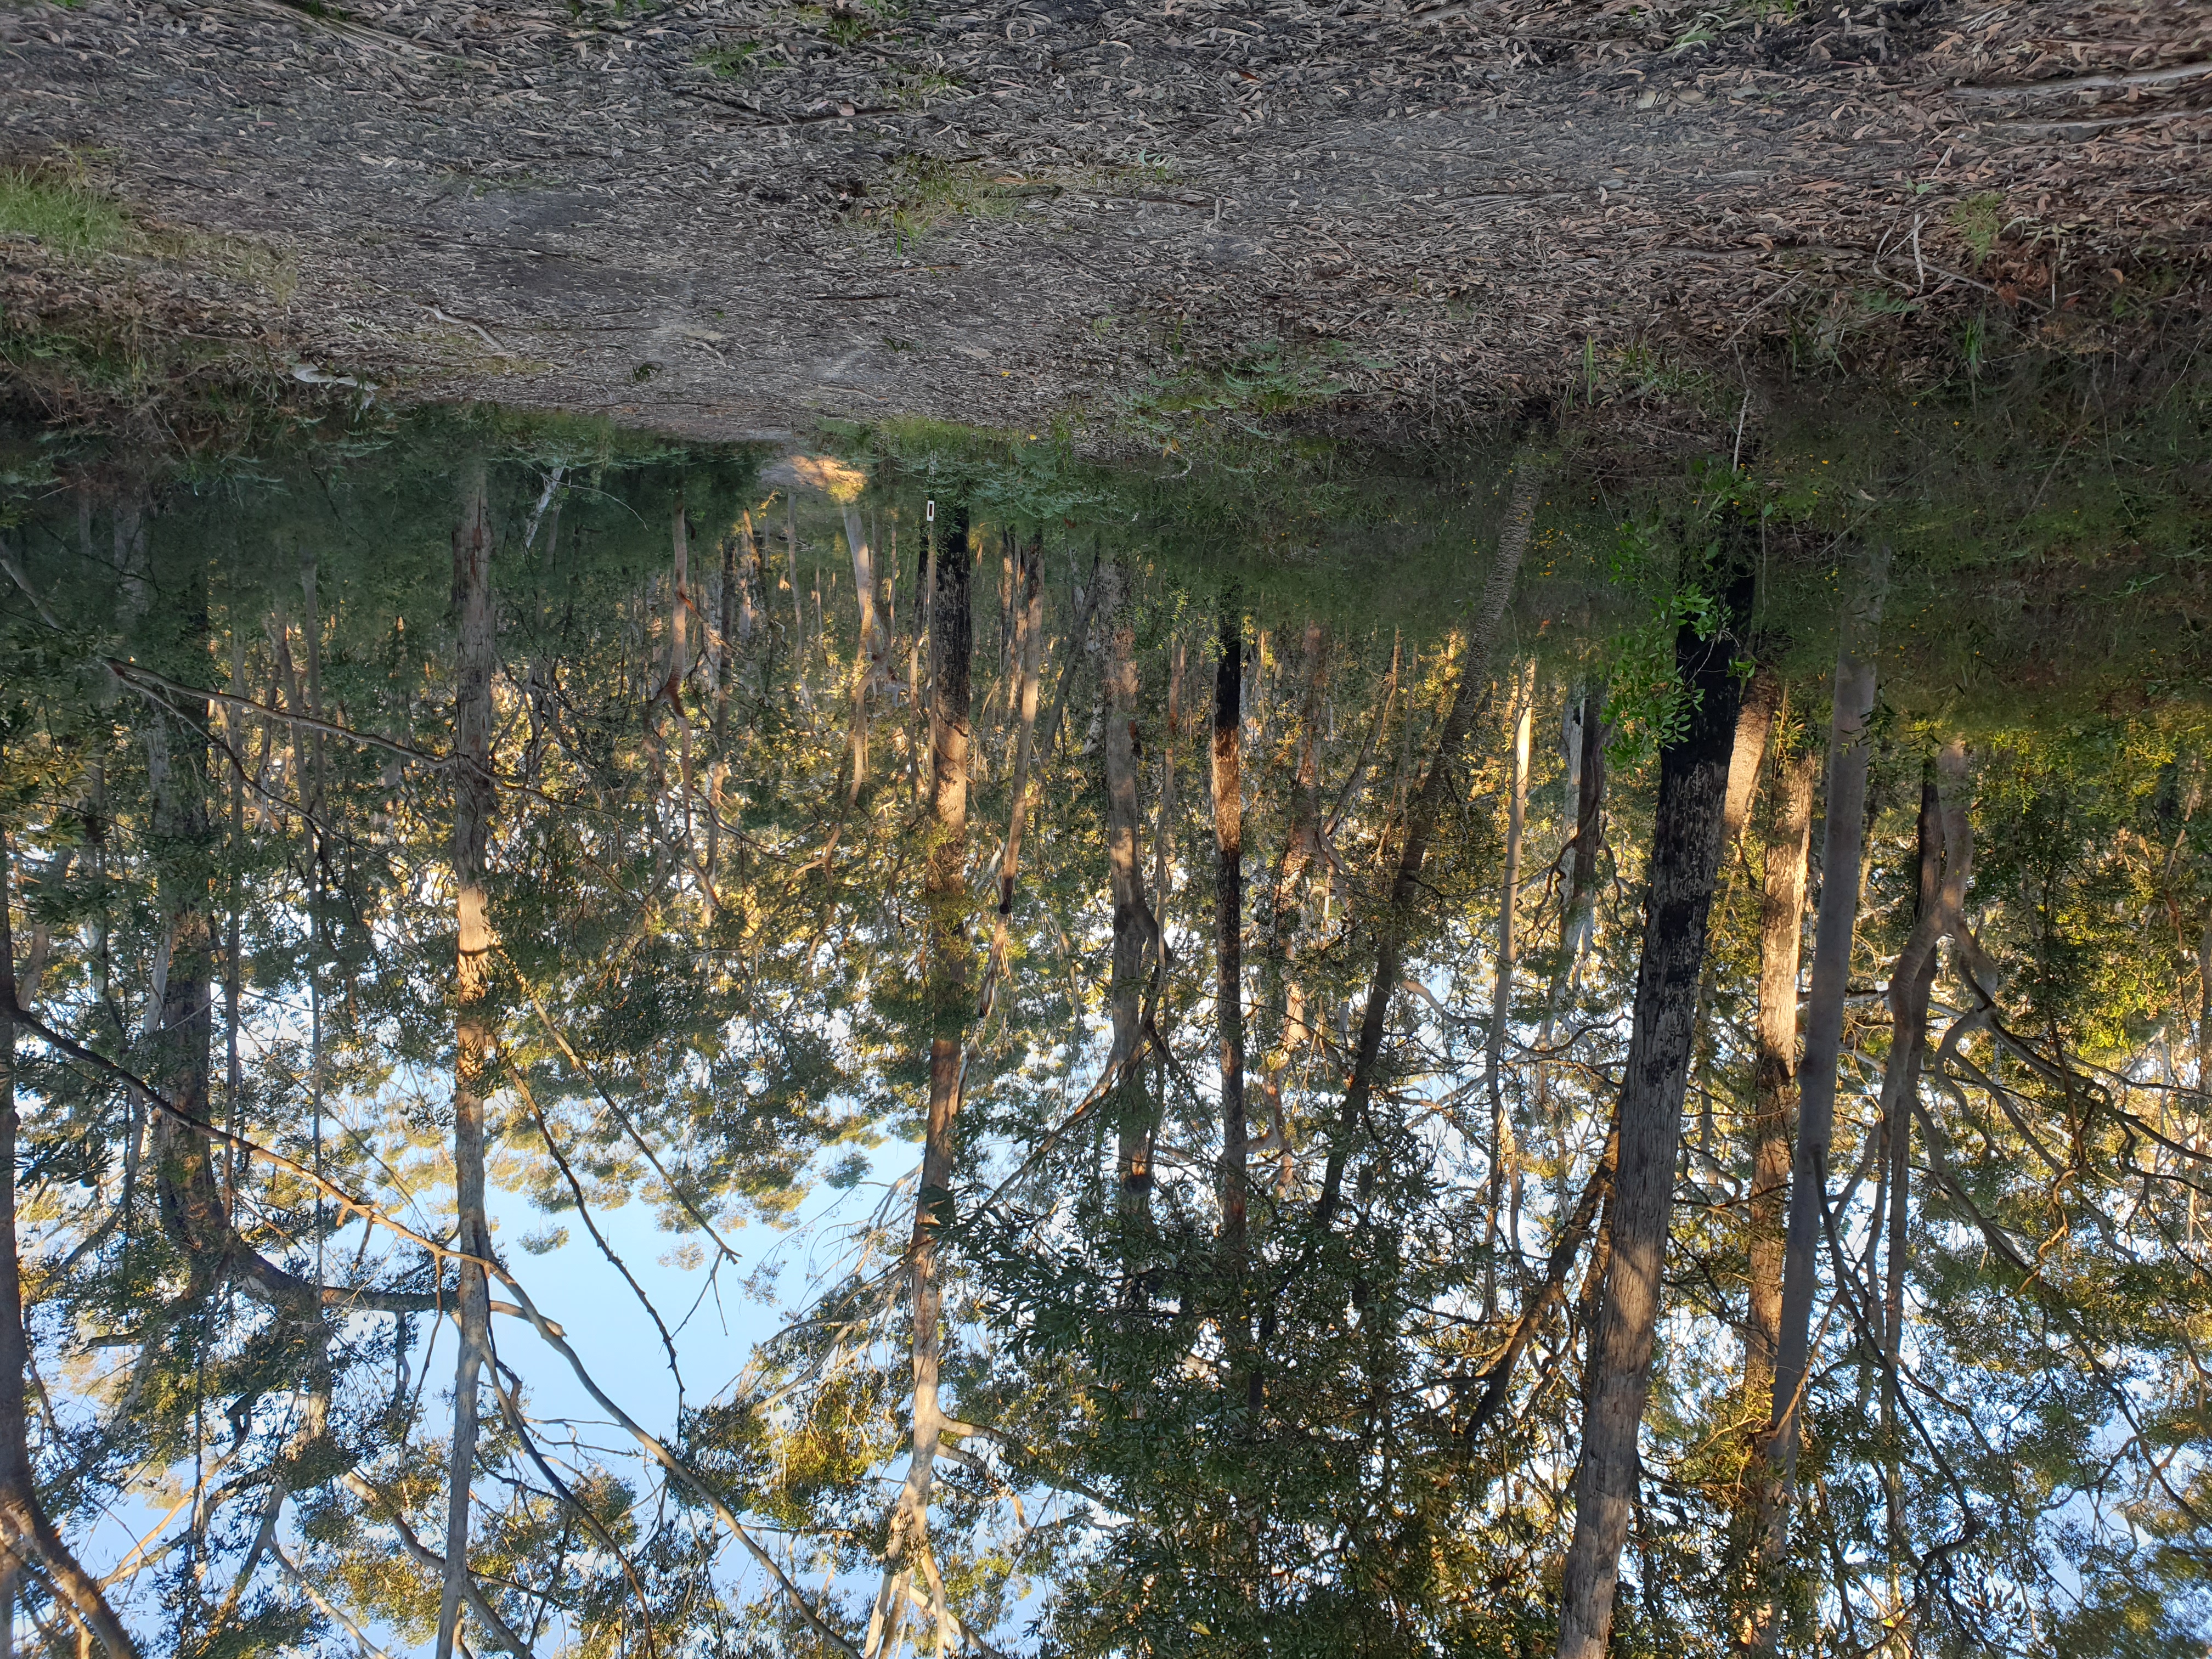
(723, 218)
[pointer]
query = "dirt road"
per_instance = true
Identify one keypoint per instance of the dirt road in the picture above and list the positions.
(719, 218)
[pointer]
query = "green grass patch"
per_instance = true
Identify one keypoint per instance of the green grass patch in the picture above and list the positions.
(730, 61)
(69, 218)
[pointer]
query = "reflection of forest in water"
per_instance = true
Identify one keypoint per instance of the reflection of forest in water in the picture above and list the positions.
(1474, 1021)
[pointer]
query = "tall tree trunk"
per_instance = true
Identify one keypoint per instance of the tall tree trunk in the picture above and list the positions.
(1754, 722)
(1946, 849)
(1163, 829)
(1501, 999)
(868, 654)
(180, 1016)
(946, 897)
(1133, 917)
(1029, 628)
(1393, 929)
(1774, 1084)
(1754, 727)
(475, 659)
(1685, 848)
(680, 607)
(1577, 911)
(1280, 1001)
(802, 649)
(25, 1528)
(726, 626)
(1773, 1471)
(1229, 924)
(1781, 944)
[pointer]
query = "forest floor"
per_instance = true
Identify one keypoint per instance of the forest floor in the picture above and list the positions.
(723, 218)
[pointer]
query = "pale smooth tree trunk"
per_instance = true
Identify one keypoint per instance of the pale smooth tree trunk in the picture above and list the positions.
(1502, 1151)
(25, 1528)
(1393, 931)
(946, 897)
(475, 659)
(1842, 843)
(1686, 849)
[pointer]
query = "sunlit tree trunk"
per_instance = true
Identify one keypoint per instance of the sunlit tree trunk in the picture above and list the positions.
(1754, 728)
(945, 896)
(25, 1528)
(1133, 917)
(1754, 723)
(475, 659)
(1781, 944)
(1029, 627)
(1774, 1085)
(1849, 754)
(868, 653)
(1685, 848)
(1501, 1154)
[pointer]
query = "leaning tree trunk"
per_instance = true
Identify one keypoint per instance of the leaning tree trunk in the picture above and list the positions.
(1685, 848)
(25, 1528)
(945, 899)
(1394, 930)
(1773, 1473)
(1133, 916)
(474, 661)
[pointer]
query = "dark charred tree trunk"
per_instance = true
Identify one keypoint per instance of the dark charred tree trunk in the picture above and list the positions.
(1229, 926)
(1686, 849)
